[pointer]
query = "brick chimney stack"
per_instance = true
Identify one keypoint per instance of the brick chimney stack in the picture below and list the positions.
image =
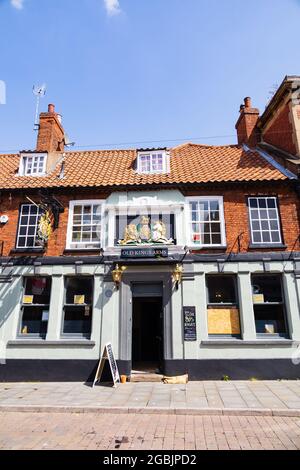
(50, 133)
(247, 132)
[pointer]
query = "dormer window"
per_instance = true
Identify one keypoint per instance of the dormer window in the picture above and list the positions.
(33, 164)
(152, 162)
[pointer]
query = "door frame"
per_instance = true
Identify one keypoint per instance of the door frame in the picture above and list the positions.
(157, 300)
(125, 330)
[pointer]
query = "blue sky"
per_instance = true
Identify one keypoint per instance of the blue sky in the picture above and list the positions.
(142, 70)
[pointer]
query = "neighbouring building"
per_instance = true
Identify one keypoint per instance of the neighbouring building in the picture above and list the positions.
(186, 257)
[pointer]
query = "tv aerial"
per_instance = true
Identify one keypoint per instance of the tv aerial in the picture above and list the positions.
(39, 91)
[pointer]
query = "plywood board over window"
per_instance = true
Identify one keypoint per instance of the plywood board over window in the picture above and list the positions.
(223, 321)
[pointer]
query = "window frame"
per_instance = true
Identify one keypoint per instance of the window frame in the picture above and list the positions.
(64, 335)
(216, 305)
(189, 222)
(35, 156)
(21, 335)
(152, 153)
(285, 335)
(81, 245)
(25, 247)
(280, 231)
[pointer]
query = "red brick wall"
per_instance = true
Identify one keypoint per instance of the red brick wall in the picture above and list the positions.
(246, 128)
(280, 133)
(51, 134)
(236, 215)
(235, 208)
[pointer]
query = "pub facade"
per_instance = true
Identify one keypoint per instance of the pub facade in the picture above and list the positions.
(186, 259)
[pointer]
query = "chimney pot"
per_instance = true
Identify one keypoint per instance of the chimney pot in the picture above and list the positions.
(51, 108)
(247, 102)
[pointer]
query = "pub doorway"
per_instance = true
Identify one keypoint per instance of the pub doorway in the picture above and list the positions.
(147, 328)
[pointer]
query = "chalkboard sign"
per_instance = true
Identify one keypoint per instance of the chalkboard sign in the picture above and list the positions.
(107, 355)
(189, 323)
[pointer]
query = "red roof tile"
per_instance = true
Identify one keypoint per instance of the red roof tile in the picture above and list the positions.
(189, 163)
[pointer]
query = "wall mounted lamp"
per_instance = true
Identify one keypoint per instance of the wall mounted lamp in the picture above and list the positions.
(177, 274)
(117, 274)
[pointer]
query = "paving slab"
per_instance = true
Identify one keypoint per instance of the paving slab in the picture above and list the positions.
(269, 398)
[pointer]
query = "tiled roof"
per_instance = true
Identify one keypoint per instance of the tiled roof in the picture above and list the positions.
(189, 163)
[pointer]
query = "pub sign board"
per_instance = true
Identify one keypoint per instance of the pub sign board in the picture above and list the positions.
(144, 253)
(189, 323)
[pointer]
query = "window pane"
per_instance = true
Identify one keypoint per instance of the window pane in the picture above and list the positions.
(272, 214)
(77, 210)
(253, 202)
(254, 214)
(265, 225)
(214, 205)
(268, 286)
(78, 315)
(34, 320)
(79, 286)
(266, 237)
(263, 214)
(77, 320)
(255, 225)
(274, 225)
(221, 289)
(216, 238)
(76, 236)
(275, 237)
(262, 202)
(30, 242)
(206, 239)
(256, 237)
(40, 288)
(271, 202)
(269, 319)
(21, 242)
(77, 219)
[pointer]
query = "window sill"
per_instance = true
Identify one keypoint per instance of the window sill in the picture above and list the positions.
(240, 342)
(40, 342)
(252, 246)
(207, 247)
(27, 250)
(221, 306)
(81, 250)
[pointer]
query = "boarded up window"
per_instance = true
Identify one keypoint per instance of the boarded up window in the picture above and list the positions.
(223, 321)
(222, 307)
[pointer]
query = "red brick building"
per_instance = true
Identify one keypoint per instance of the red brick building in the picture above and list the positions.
(183, 258)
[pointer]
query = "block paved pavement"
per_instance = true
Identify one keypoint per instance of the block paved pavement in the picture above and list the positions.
(92, 431)
(280, 398)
